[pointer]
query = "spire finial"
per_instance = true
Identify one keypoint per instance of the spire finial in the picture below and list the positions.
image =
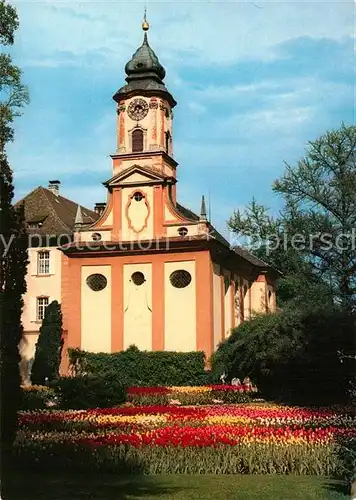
(203, 209)
(78, 222)
(145, 25)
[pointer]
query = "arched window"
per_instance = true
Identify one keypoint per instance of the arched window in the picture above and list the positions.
(168, 142)
(137, 140)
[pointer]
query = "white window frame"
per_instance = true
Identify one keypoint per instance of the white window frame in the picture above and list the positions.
(43, 262)
(41, 305)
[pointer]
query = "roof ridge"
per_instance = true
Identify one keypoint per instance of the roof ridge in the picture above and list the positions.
(54, 212)
(74, 202)
(21, 200)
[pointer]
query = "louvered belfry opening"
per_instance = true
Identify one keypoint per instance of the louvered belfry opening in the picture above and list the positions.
(137, 140)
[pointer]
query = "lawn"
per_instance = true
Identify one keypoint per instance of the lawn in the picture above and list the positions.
(172, 487)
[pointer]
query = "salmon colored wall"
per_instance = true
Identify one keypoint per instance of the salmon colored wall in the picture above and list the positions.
(204, 291)
(203, 276)
(218, 303)
(158, 312)
(48, 285)
(246, 299)
(117, 213)
(158, 228)
(258, 297)
(228, 303)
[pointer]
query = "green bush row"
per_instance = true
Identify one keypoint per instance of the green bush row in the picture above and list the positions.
(143, 368)
(36, 398)
(89, 391)
(79, 393)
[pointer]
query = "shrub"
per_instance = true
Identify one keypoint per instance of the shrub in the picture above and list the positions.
(142, 368)
(292, 356)
(89, 391)
(36, 397)
(49, 346)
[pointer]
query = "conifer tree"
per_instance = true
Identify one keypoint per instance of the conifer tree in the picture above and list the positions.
(49, 346)
(13, 239)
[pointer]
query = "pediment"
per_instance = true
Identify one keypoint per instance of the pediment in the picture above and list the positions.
(137, 175)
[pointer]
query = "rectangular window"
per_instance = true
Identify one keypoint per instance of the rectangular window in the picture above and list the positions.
(43, 262)
(42, 303)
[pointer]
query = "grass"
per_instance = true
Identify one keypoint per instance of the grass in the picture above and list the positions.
(29, 486)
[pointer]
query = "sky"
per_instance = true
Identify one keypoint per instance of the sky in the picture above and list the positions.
(254, 82)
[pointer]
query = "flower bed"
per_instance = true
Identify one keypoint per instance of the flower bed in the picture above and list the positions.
(209, 439)
(196, 395)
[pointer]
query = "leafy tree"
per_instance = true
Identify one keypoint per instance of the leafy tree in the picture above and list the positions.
(13, 241)
(49, 346)
(312, 239)
(293, 356)
(9, 23)
(14, 95)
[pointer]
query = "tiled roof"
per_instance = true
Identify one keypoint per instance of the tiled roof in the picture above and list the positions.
(242, 252)
(55, 213)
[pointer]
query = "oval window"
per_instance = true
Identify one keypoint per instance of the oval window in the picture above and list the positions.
(138, 196)
(182, 231)
(97, 282)
(138, 278)
(180, 278)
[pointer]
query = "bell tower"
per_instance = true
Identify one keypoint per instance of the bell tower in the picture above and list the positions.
(145, 117)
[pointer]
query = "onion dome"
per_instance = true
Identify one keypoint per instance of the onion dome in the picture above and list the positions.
(144, 63)
(145, 74)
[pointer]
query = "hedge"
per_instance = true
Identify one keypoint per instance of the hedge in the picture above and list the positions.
(89, 391)
(35, 397)
(143, 368)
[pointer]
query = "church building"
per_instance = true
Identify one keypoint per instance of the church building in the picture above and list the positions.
(140, 269)
(150, 272)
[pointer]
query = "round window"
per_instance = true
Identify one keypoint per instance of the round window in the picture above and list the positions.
(138, 196)
(180, 278)
(96, 236)
(138, 278)
(97, 282)
(182, 231)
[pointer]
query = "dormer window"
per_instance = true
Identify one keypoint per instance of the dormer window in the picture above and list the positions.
(137, 140)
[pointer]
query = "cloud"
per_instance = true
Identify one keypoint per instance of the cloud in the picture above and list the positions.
(252, 85)
(193, 32)
(196, 107)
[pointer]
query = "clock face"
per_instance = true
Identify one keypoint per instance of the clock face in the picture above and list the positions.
(138, 109)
